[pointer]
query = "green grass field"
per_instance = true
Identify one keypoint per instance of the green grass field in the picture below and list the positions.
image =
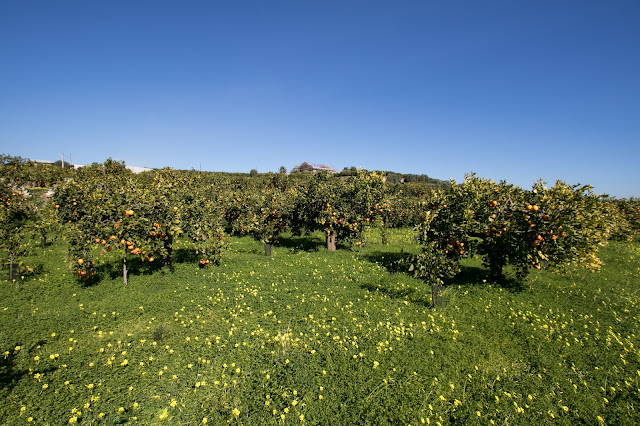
(309, 336)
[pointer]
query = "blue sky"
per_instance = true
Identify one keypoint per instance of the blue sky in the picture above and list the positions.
(513, 90)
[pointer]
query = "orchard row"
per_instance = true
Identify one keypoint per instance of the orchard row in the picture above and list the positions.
(105, 208)
(559, 226)
(142, 215)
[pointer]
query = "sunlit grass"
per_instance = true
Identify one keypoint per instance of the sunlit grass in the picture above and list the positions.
(311, 336)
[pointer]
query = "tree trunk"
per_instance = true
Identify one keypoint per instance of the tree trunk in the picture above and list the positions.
(267, 249)
(43, 242)
(11, 267)
(436, 295)
(124, 269)
(495, 271)
(168, 244)
(331, 242)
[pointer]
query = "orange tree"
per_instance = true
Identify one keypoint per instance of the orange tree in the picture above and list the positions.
(46, 222)
(91, 208)
(16, 171)
(630, 208)
(340, 208)
(385, 217)
(625, 218)
(404, 210)
(270, 214)
(108, 207)
(408, 202)
(16, 214)
(26, 173)
(239, 197)
(31, 180)
(556, 226)
(199, 213)
(261, 210)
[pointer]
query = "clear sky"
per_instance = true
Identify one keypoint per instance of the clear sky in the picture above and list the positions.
(513, 90)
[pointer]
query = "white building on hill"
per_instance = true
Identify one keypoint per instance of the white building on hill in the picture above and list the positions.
(308, 167)
(134, 169)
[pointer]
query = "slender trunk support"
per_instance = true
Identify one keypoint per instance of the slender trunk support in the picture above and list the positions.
(124, 269)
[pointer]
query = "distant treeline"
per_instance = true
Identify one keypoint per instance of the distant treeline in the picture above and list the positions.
(409, 178)
(402, 178)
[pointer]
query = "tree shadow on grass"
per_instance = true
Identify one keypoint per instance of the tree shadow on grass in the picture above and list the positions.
(391, 261)
(137, 267)
(476, 275)
(301, 243)
(10, 376)
(20, 276)
(185, 255)
(395, 262)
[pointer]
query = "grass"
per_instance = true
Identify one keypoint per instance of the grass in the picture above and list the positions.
(309, 336)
